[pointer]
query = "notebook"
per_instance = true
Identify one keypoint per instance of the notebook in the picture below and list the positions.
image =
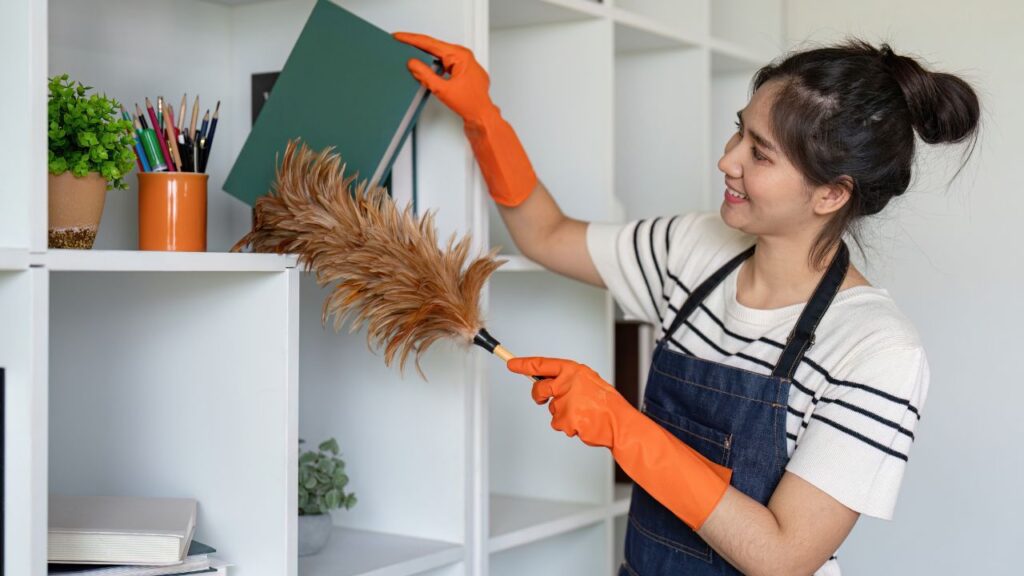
(119, 529)
(345, 84)
(197, 561)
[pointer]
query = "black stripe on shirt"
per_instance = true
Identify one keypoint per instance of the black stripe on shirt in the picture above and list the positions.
(640, 266)
(811, 363)
(796, 383)
(861, 437)
(654, 258)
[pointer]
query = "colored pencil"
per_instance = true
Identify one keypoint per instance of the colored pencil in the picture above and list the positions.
(208, 145)
(206, 124)
(138, 114)
(160, 138)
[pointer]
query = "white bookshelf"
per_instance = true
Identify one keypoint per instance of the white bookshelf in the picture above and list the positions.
(363, 553)
(194, 374)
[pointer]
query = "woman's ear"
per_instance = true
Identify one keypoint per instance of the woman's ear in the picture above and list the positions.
(829, 198)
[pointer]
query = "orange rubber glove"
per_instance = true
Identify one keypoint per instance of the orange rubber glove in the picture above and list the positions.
(502, 159)
(583, 404)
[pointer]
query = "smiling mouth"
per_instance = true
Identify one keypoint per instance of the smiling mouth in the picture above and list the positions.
(735, 194)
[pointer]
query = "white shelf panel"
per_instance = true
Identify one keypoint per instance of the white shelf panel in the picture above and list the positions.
(620, 504)
(636, 33)
(727, 57)
(515, 13)
(152, 261)
(13, 259)
(517, 263)
(516, 521)
(362, 553)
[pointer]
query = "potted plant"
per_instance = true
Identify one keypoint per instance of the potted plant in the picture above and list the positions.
(322, 482)
(91, 149)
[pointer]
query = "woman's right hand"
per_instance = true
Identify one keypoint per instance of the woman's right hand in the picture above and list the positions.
(503, 162)
(465, 91)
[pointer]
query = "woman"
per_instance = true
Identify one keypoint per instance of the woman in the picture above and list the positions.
(785, 389)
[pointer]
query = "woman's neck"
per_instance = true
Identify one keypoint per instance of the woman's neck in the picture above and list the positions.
(778, 274)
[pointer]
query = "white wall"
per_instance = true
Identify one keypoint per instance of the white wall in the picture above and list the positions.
(951, 261)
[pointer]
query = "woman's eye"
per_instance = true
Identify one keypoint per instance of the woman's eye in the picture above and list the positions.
(757, 154)
(739, 127)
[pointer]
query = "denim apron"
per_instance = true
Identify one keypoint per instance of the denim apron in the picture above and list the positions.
(734, 417)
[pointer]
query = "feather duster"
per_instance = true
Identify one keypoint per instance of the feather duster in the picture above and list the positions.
(387, 269)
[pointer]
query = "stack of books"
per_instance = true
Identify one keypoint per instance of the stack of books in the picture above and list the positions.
(126, 536)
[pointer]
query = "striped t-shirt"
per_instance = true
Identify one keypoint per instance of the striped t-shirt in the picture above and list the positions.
(856, 396)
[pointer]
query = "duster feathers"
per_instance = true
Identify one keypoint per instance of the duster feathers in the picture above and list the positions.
(391, 274)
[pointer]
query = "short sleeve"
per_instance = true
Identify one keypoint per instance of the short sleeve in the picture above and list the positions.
(857, 443)
(632, 260)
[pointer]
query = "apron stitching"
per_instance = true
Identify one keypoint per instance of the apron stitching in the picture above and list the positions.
(778, 379)
(666, 374)
(691, 433)
(671, 544)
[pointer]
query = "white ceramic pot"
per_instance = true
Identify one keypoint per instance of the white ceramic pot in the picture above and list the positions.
(314, 530)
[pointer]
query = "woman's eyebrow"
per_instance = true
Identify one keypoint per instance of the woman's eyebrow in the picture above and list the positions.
(760, 140)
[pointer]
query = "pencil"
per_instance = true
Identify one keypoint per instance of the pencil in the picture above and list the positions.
(208, 145)
(160, 110)
(206, 124)
(181, 112)
(172, 143)
(138, 114)
(160, 138)
(195, 116)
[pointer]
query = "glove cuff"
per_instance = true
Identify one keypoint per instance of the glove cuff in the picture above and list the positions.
(503, 162)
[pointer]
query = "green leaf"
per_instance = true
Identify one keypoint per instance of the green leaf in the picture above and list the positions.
(330, 445)
(332, 499)
(327, 467)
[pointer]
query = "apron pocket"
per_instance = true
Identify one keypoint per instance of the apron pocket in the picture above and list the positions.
(655, 525)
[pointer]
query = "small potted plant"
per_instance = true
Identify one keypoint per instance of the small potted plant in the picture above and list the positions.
(91, 149)
(322, 482)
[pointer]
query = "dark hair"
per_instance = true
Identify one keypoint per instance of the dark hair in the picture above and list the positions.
(847, 114)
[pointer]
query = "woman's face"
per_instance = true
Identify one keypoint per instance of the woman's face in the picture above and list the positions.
(765, 195)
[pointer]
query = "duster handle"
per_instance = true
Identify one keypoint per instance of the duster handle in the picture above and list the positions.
(484, 340)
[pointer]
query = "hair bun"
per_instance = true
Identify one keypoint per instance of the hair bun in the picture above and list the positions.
(943, 108)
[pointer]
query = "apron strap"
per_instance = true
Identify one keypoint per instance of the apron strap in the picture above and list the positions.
(701, 292)
(802, 336)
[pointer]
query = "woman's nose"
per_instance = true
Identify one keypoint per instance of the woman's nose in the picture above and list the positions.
(729, 163)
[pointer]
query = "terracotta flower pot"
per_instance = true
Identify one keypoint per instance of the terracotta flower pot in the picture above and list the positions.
(75, 208)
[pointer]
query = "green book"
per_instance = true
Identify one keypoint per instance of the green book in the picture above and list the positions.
(345, 84)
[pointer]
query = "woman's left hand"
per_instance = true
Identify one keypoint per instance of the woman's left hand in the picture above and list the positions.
(581, 402)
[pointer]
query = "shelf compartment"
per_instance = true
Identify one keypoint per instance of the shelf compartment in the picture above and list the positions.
(517, 263)
(402, 438)
(13, 259)
(362, 553)
(755, 26)
(181, 385)
(579, 552)
(544, 315)
(154, 261)
(516, 521)
(661, 139)
(727, 57)
(515, 13)
(685, 18)
(636, 33)
(569, 137)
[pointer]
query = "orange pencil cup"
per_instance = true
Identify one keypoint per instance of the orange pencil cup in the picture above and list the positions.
(172, 211)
